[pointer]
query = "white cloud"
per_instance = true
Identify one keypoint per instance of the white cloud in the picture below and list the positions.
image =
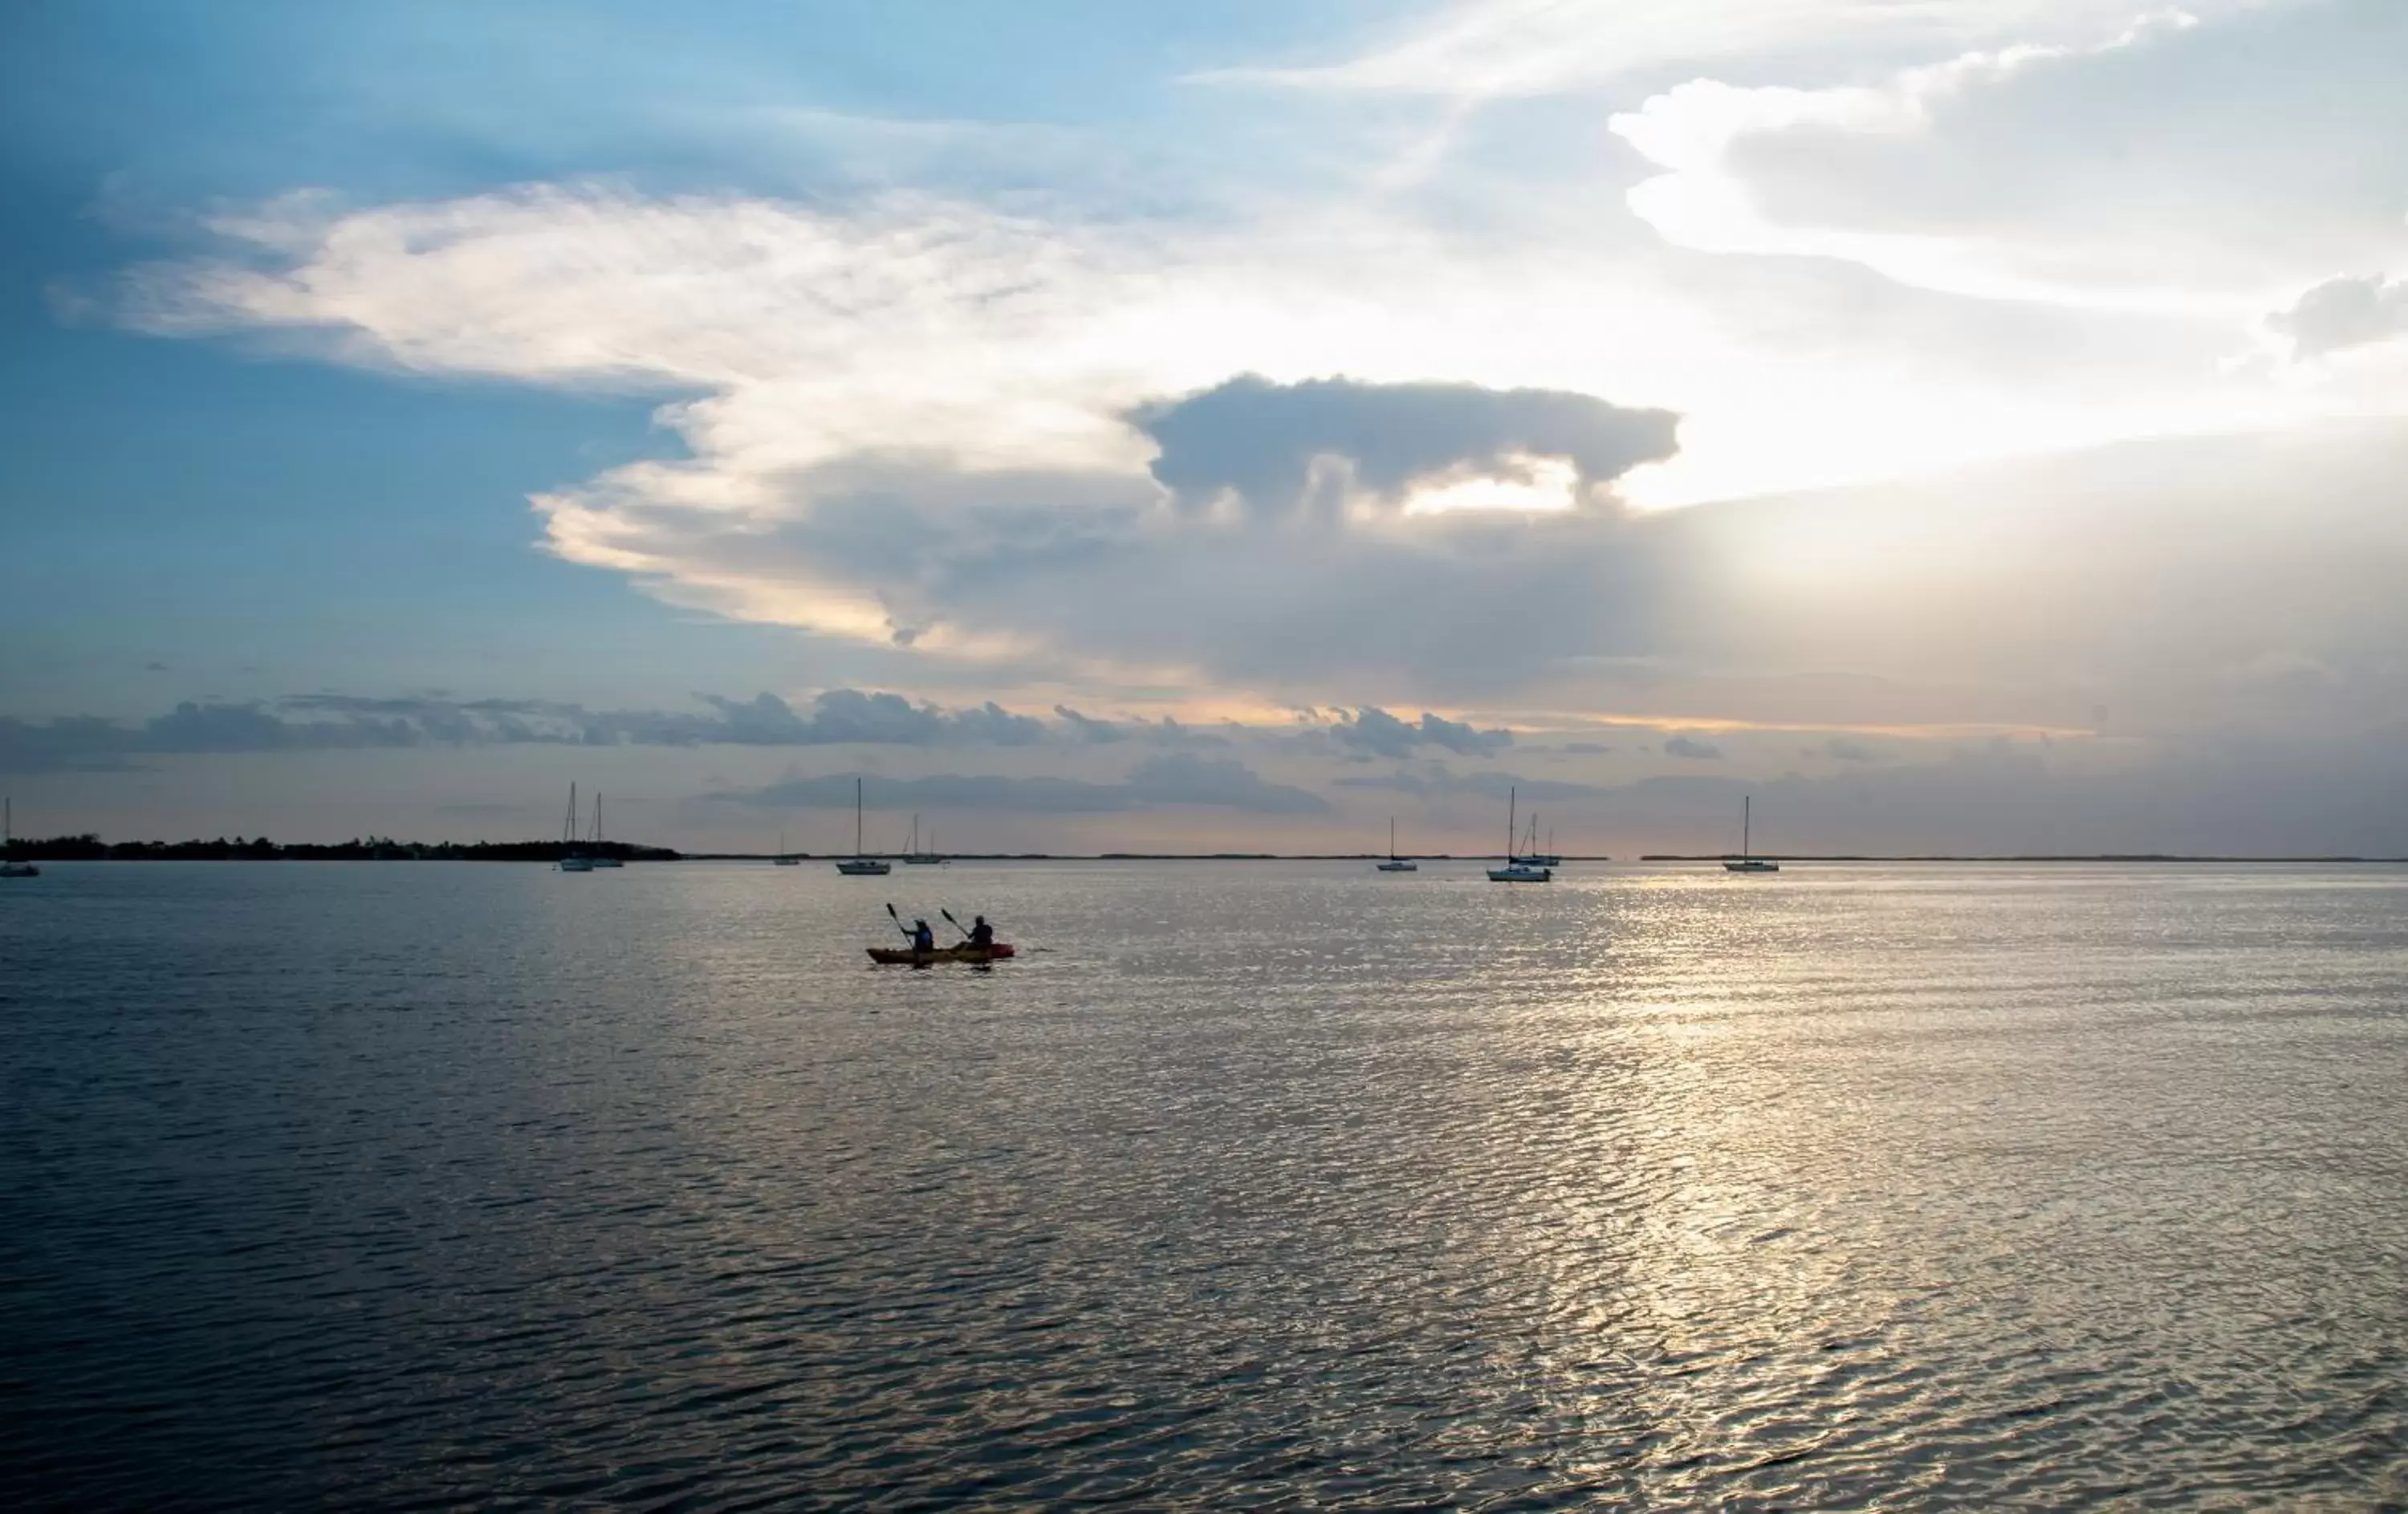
(1509, 49)
(919, 423)
(2172, 166)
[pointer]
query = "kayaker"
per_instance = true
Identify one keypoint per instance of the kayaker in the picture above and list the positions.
(981, 933)
(923, 938)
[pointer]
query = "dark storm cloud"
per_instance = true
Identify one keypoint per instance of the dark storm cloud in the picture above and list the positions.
(1261, 441)
(1169, 782)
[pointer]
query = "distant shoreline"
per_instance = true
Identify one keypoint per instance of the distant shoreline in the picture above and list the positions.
(90, 849)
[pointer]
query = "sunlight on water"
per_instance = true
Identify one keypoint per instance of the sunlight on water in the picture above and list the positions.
(1247, 1183)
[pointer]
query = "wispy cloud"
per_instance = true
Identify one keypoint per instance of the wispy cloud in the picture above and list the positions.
(1487, 50)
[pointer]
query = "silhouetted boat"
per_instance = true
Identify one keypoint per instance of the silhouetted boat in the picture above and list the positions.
(9, 866)
(571, 859)
(601, 857)
(916, 856)
(1529, 856)
(785, 858)
(1743, 862)
(900, 956)
(1396, 863)
(1516, 870)
(859, 866)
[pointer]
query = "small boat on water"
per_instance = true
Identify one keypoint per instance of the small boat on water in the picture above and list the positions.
(572, 860)
(602, 859)
(9, 866)
(1746, 862)
(1517, 869)
(785, 858)
(859, 866)
(965, 952)
(1529, 856)
(1396, 863)
(918, 857)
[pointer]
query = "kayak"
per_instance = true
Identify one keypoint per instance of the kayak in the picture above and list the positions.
(905, 955)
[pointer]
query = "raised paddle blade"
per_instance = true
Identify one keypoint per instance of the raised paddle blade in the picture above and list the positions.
(956, 924)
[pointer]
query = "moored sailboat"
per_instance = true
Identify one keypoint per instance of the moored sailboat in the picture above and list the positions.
(602, 856)
(1746, 862)
(916, 856)
(1396, 863)
(857, 865)
(572, 860)
(1516, 870)
(1529, 856)
(9, 866)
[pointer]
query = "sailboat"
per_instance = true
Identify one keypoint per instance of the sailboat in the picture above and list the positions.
(1529, 856)
(601, 858)
(859, 866)
(785, 858)
(1745, 863)
(9, 866)
(1517, 869)
(571, 859)
(915, 855)
(1396, 863)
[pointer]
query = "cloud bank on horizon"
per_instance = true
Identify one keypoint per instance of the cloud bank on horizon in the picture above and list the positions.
(1890, 374)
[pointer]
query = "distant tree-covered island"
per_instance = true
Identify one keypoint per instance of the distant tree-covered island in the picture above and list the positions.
(89, 847)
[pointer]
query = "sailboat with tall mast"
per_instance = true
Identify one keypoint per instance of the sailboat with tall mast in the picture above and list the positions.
(572, 858)
(603, 858)
(1516, 868)
(9, 866)
(929, 857)
(1396, 863)
(1746, 861)
(785, 858)
(1529, 856)
(857, 865)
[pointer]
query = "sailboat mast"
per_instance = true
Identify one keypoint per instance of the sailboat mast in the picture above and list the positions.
(1746, 805)
(1510, 795)
(857, 817)
(1391, 838)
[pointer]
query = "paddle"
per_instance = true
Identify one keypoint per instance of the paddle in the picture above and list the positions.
(900, 926)
(956, 924)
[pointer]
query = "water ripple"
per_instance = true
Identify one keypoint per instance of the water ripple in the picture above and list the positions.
(1264, 1186)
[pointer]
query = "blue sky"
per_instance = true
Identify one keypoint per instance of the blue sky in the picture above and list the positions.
(1715, 396)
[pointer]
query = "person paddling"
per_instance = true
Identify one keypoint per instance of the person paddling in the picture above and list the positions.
(981, 933)
(923, 938)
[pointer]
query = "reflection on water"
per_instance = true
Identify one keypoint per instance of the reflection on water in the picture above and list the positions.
(1251, 1183)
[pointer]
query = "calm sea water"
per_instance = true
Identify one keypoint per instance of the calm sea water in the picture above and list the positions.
(1271, 1185)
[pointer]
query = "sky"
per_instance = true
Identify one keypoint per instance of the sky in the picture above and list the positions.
(1961, 425)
